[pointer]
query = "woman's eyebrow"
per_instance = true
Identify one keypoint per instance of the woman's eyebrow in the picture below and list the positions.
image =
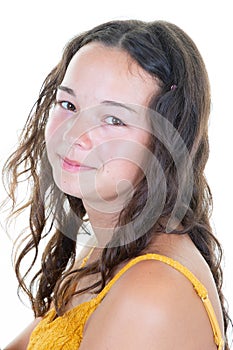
(106, 102)
(118, 104)
(67, 89)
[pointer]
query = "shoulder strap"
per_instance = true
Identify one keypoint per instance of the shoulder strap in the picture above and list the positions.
(198, 286)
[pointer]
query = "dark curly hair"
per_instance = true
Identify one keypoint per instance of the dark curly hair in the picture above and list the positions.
(164, 51)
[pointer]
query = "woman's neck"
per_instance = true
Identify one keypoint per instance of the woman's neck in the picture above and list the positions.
(102, 224)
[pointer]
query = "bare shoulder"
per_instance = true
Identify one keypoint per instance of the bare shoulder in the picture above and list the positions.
(22, 340)
(150, 305)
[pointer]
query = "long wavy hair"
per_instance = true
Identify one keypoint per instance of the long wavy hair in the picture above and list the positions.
(167, 53)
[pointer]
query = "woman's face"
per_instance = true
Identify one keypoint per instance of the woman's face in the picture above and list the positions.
(97, 133)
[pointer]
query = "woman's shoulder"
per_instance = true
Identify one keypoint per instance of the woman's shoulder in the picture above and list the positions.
(157, 277)
(177, 263)
(22, 340)
(153, 303)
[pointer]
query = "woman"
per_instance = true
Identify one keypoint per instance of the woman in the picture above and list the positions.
(119, 136)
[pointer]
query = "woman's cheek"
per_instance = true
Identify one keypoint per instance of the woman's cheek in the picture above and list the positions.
(54, 125)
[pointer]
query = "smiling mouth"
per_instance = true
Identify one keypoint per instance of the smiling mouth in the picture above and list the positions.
(73, 166)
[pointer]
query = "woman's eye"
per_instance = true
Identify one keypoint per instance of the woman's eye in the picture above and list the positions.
(67, 105)
(111, 120)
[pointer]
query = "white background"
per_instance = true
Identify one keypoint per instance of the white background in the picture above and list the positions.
(33, 35)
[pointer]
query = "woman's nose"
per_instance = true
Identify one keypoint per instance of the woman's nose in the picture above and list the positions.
(78, 132)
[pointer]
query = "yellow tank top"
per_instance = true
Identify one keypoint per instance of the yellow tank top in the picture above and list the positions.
(66, 332)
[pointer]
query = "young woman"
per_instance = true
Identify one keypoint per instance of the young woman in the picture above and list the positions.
(119, 138)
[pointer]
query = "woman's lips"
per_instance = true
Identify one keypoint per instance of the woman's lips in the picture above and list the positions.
(73, 166)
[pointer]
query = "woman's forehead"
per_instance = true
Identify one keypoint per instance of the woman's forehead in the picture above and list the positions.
(109, 73)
